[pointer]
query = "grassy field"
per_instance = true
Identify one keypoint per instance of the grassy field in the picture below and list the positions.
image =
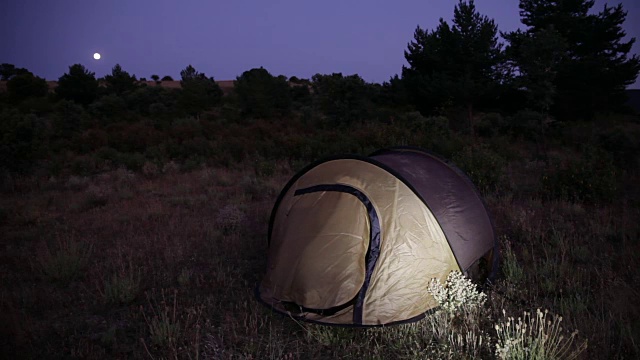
(162, 263)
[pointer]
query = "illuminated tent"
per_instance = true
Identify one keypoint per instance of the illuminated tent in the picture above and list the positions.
(356, 240)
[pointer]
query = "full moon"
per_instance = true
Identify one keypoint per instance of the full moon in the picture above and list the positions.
(96, 56)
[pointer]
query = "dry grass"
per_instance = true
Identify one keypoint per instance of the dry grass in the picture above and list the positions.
(126, 266)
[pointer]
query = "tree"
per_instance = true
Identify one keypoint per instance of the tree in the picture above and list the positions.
(7, 71)
(199, 93)
(262, 95)
(23, 140)
(79, 85)
(595, 68)
(454, 65)
(538, 59)
(155, 78)
(342, 98)
(24, 86)
(167, 78)
(120, 81)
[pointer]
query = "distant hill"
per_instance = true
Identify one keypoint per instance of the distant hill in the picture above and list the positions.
(225, 85)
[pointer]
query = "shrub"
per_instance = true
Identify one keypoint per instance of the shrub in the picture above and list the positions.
(457, 324)
(456, 293)
(592, 177)
(536, 337)
(132, 161)
(23, 140)
(24, 86)
(66, 262)
(527, 124)
(623, 143)
(262, 95)
(343, 99)
(122, 287)
(490, 125)
(484, 166)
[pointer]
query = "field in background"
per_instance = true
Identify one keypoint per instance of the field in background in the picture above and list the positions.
(162, 262)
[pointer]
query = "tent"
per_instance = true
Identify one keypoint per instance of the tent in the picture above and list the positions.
(356, 240)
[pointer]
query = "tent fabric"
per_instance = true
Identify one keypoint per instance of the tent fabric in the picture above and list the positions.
(451, 197)
(356, 240)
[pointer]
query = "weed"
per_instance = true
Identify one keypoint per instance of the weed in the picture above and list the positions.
(170, 327)
(66, 261)
(123, 286)
(536, 337)
(512, 271)
(484, 166)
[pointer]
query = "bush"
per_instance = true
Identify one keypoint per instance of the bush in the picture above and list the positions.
(68, 119)
(24, 86)
(538, 336)
(343, 99)
(23, 140)
(591, 177)
(490, 125)
(484, 166)
(132, 161)
(623, 143)
(66, 261)
(109, 108)
(526, 124)
(262, 95)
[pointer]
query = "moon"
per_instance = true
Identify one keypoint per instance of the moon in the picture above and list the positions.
(96, 56)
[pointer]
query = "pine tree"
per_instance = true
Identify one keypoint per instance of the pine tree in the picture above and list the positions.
(198, 93)
(120, 81)
(454, 65)
(595, 68)
(79, 85)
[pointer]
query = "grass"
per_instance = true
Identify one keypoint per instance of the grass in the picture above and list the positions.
(163, 265)
(536, 337)
(64, 261)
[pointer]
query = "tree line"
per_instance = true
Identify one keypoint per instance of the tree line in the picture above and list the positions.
(567, 63)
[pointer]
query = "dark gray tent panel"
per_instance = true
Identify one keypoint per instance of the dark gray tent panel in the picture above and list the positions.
(355, 240)
(451, 197)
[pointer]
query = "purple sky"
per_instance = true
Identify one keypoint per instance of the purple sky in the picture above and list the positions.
(225, 38)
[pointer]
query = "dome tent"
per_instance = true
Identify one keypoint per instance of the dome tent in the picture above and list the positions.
(356, 240)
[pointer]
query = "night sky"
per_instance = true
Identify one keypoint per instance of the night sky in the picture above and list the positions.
(225, 38)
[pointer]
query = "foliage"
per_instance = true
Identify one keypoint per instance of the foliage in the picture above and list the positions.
(66, 261)
(262, 95)
(591, 177)
(491, 124)
(8, 71)
(458, 291)
(588, 63)
(119, 81)
(536, 337)
(123, 286)
(78, 85)
(199, 93)
(484, 167)
(23, 140)
(24, 86)
(527, 124)
(343, 99)
(457, 325)
(453, 65)
(109, 108)
(167, 78)
(623, 143)
(68, 119)
(538, 57)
